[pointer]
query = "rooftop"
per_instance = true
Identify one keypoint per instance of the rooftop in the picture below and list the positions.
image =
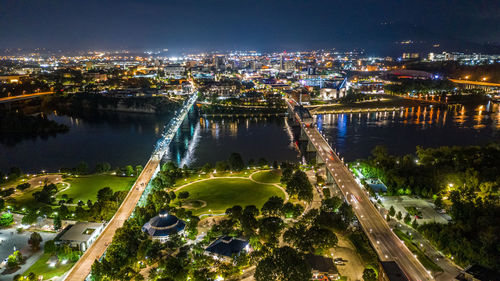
(163, 224)
(227, 246)
(80, 232)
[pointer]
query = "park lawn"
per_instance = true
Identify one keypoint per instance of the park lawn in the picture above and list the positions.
(40, 267)
(26, 199)
(86, 187)
(425, 260)
(200, 176)
(271, 176)
(220, 194)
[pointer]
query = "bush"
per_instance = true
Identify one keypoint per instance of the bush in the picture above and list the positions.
(6, 219)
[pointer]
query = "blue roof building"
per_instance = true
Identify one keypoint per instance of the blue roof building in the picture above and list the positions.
(163, 225)
(226, 246)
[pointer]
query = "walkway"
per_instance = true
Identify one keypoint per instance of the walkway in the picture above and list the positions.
(83, 267)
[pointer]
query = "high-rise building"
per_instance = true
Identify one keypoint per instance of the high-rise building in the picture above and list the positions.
(219, 62)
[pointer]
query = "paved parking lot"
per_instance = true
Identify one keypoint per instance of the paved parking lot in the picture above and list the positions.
(9, 238)
(423, 205)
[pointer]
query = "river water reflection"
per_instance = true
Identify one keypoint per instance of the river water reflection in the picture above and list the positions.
(122, 139)
(355, 135)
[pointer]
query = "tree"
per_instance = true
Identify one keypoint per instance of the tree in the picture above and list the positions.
(82, 168)
(399, 216)
(30, 217)
(331, 204)
(57, 222)
(2, 204)
(129, 170)
(50, 247)
(102, 167)
(262, 162)
(407, 218)
(270, 228)
(23, 186)
(369, 274)
(438, 202)
(35, 240)
(284, 264)
(207, 168)
(6, 219)
(290, 210)
(414, 224)
(183, 195)
(236, 162)
(138, 170)
(235, 212)
(105, 194)
(272, 207)
(299, 185)
(221, 166)
(392, 212)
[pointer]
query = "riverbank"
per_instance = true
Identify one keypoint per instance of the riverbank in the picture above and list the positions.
(384, 103)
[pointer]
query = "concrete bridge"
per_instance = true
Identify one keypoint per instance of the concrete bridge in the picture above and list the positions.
(137, 194)
(315, 148)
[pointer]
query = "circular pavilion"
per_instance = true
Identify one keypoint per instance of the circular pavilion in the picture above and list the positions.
(163, 225)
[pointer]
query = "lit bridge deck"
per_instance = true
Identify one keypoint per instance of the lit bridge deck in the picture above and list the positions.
(387, 245)
(82, 268)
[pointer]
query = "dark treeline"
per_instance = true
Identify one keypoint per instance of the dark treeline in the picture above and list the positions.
(463, 180)
(405, 86)
(431, 170)
(83, 102)
(456, 70)
(15, 126)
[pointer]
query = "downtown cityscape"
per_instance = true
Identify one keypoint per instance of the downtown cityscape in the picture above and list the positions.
(217, 144)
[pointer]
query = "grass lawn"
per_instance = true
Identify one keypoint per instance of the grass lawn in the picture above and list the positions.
(86, 187)
(40, 267)
(220, 194)
(271, 176)
(26, 198)
(425, 260)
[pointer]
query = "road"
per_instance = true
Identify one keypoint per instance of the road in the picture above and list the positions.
(82, 268)
(386, 243)
(23, 97)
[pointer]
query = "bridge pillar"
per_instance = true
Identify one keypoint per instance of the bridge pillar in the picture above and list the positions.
(329, 178)
(319, 160)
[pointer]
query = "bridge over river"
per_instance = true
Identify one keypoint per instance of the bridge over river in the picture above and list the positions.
(82, 268)
(387, 245)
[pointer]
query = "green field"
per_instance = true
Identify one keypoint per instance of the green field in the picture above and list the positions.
(26, 198)
(86, 187)
(272, 176)
(41, 267)
(222, 193)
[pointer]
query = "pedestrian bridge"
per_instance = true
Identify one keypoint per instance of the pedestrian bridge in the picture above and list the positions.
(81, 270)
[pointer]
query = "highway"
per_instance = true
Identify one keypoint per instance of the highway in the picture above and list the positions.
(387, 245)
(23, 97)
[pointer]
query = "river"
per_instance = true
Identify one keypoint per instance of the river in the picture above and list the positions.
(123, 139)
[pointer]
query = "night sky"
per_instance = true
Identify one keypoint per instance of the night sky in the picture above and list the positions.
(248, 25)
